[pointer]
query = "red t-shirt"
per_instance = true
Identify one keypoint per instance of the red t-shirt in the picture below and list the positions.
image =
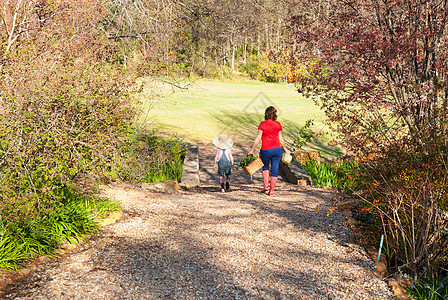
(269, 139)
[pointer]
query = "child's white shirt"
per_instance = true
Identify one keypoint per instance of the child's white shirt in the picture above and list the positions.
(220, 151)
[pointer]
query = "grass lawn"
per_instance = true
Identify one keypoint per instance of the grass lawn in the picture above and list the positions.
(209, 108)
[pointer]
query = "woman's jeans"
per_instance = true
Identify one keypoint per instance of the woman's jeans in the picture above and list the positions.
(273, 157)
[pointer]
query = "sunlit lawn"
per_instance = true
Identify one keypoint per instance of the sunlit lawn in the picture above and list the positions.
(209, 108)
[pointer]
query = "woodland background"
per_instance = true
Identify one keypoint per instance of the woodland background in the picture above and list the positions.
(377, 68)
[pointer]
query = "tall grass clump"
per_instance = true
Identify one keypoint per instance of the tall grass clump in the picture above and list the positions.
(66, 217)
(329, 174)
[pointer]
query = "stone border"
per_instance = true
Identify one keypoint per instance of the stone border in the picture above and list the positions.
(190, 171)
(294, 173)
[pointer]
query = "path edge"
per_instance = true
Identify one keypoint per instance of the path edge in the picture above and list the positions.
(190, 169)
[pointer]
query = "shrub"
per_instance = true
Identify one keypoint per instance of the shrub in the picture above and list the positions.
(389, 105)
(304, 135)
(64, 108)
(409, 191)
(251, 68)
(65, 103)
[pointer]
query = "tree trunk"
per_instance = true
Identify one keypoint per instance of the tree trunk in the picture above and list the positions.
(245, 50)
(232, 67)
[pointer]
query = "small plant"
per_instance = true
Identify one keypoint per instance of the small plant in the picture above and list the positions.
(247, 160)
(436, 290)
(304, 135)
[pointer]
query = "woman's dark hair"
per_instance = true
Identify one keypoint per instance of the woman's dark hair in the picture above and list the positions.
(270, 113)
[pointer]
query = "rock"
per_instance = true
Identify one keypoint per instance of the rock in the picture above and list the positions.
(33, 268)
(68, 246)
(23, 272)
(373, 253)
(190, 172)
(104, 223)
(381, 268)
(60, 251)
(174, 184)
(403, 281)
(294, 173)
(191, 179)
(115, 215)
(112, 218)
(347, 213)
(184, 185)
(398, 290)
(145, 185)
(43, 259)
(158, 187)
(169, 188)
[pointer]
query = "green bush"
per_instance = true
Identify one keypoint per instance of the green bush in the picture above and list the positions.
(304, 135)
(64, 107)
(65, 118)
(251, 68)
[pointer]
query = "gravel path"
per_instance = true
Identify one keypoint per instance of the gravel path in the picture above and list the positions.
(203, 244)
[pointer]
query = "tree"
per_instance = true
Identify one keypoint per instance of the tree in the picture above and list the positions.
(379, 69)
(145, 30)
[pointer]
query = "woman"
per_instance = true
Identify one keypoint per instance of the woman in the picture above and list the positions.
(270, 133)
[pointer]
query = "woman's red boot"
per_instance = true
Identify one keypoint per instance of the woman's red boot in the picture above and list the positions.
(265, 181)
(271, 188)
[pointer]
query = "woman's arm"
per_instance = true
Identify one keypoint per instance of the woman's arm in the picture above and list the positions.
(282, 142)
(257, 140)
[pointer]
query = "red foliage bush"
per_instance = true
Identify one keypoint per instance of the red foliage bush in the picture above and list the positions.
(379, 71)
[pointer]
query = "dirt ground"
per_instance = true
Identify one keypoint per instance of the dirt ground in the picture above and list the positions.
(204, 244)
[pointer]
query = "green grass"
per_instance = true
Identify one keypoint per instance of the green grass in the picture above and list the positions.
(209, 108)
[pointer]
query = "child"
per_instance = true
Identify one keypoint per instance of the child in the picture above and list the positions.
(223, 159)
